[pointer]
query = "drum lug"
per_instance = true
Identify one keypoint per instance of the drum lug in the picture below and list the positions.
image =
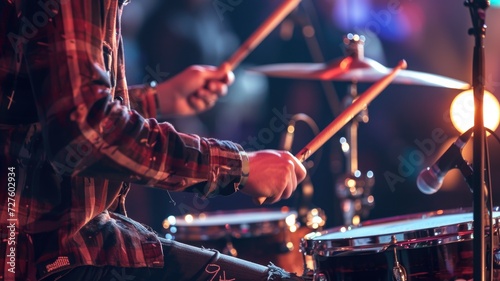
(321, 277)
(398, 271)
(311, 275)
(308, 275)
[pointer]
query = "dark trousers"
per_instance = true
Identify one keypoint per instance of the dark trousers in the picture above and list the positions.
(182, 262)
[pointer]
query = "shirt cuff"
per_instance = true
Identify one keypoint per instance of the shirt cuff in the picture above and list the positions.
(144, 99)
(229, 168)
(245, 168)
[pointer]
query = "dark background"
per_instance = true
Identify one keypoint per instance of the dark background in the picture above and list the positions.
(430, 35)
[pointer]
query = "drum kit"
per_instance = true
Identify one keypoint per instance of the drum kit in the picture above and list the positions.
(425, 247)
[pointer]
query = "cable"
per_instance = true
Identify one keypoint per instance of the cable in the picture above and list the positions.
(314, 128)
(490, 199)
(489, 205)
(493, 134)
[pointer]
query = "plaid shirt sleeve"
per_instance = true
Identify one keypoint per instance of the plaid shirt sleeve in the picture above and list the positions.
(88, 133)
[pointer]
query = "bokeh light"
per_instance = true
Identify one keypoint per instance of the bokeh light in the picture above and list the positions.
(462, 111)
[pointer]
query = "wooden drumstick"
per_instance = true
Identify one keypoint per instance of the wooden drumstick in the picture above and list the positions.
(255, 39)
(262, 31)
(352, 110)
(258, 35)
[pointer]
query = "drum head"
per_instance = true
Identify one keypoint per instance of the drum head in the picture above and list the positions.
(420, 230)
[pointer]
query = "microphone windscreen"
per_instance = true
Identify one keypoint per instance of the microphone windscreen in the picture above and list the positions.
(429, 182)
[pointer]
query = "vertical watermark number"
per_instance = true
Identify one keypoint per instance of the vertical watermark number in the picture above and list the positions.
(11, 220)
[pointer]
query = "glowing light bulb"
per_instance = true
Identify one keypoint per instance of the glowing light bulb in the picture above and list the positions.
(462, 111)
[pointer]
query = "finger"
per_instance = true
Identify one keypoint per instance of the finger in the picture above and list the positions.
(300, 170)
(207, 96)
(229, 79)
(278, 196)
(273, 199)
(217, 87)
(293, 182)
(205, 93)
(222, 74)
(197, 103)
(287, 193)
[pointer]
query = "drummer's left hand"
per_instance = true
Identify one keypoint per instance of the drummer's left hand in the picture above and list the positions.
(194, 90)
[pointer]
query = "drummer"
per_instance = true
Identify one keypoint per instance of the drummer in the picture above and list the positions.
(72, 144)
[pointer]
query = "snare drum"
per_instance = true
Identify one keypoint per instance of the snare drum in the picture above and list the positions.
(430, 246)
(259, 235)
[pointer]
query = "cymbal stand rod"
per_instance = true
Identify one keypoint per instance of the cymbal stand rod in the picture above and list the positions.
(350, 148)
(352, 140)
(352, 134)
(352, 189)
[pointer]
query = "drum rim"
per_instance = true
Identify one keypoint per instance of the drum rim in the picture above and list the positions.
(425, 237)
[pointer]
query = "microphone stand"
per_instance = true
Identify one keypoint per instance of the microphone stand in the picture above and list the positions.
(478, 14)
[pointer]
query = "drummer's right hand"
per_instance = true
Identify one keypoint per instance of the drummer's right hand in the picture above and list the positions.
(273, 175)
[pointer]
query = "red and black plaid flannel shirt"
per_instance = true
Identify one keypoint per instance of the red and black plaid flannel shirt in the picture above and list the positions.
(68, 147)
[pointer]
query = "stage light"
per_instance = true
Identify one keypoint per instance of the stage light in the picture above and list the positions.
(462, 111)
(495, 3)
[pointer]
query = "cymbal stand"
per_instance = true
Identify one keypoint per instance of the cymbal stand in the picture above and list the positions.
(353, 188)
(478, 14)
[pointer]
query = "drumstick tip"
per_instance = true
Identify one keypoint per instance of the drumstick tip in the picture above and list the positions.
(260, 200)
(403, 64)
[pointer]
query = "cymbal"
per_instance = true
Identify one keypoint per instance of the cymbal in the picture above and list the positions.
(356, 70)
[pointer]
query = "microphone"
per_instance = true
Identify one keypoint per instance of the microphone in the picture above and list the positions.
(429, 180)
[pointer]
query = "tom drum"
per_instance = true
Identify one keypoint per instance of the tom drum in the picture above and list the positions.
(259, 235)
